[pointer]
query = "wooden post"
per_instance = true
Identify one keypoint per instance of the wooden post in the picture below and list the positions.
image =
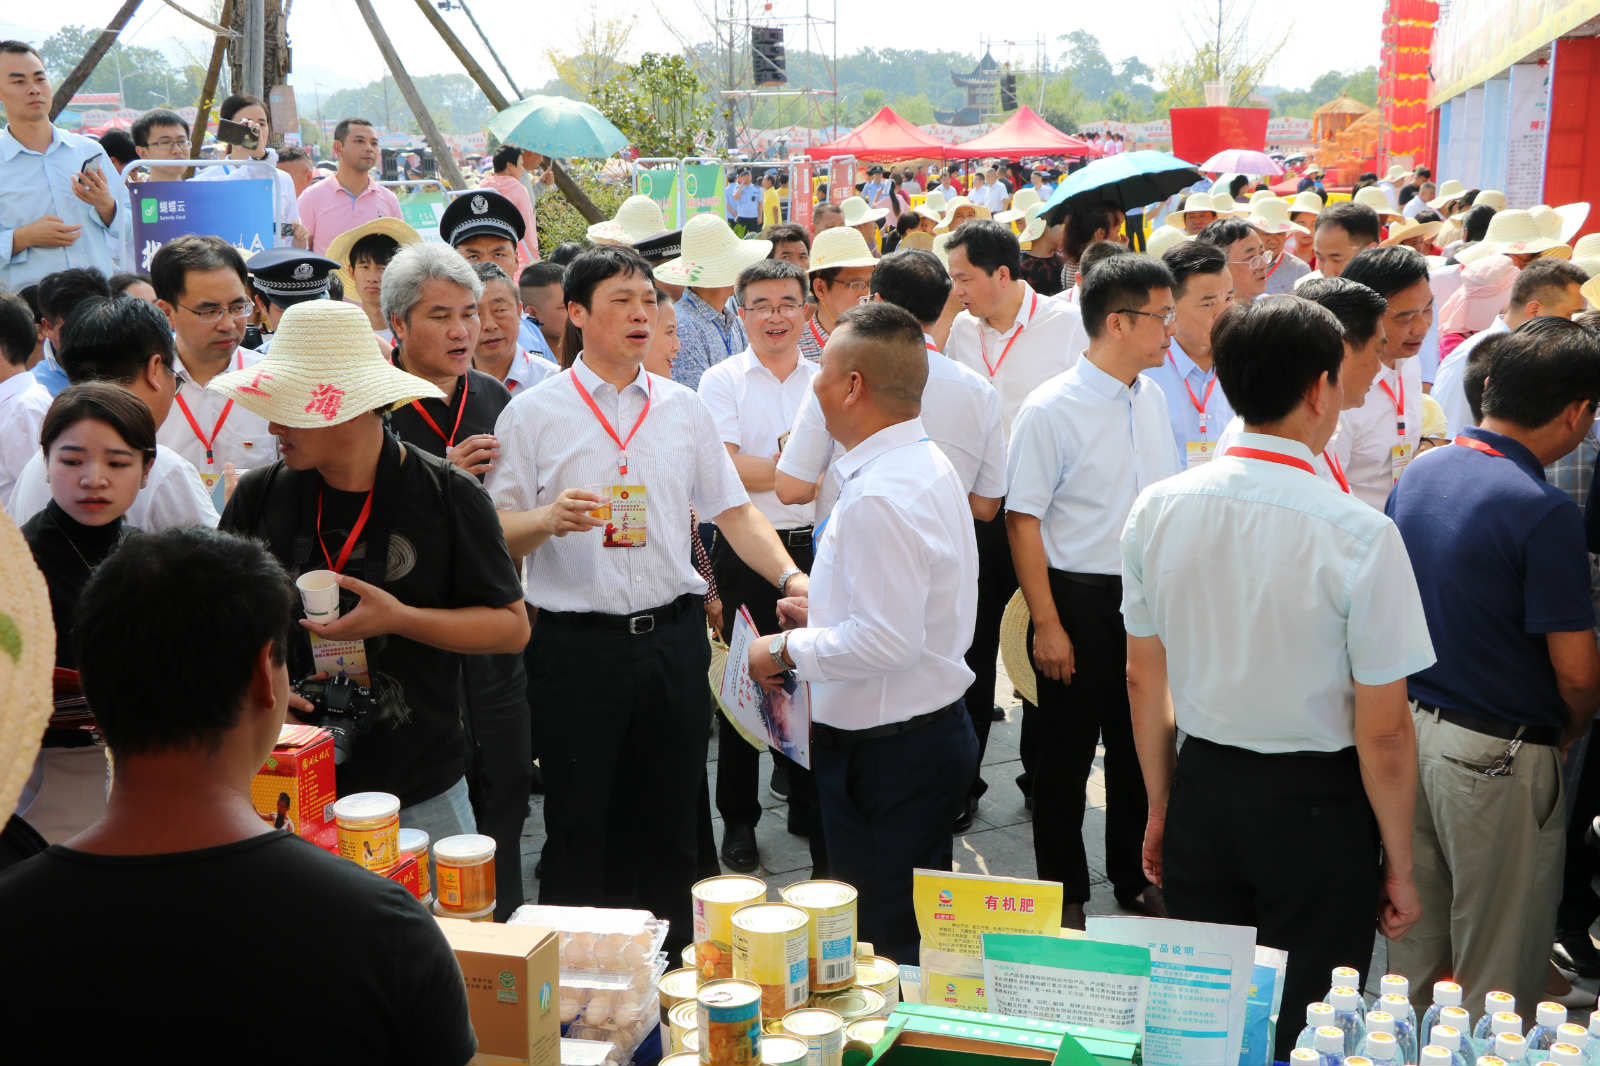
(569, 188)
(219, 51)
(102, 44)
(419, 110)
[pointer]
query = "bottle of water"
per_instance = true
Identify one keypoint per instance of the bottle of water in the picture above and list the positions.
(1434, 1055)
(1394, 999)
(1591, 1050)
(1548, 1016)
(1572, 1033)
(1512, 1047)
(1329, 1045)
(1445, 994)
(1304, 1056)
(1452, 1040)
(1380, 1021)
(1347, 1015)
(1382, 1048)
(1317, 1015)
(1482, 1034)
(1490, 1060)
(1343, 977)
(1359, 1060)
(1564, 1054)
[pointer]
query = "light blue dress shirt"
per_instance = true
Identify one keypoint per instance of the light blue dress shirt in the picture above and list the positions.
(531, 337)
(706, 336)
(1173, 375)
(35, 184)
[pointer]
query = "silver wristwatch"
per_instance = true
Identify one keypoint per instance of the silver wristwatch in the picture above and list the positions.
(776, 649)
(783, 578)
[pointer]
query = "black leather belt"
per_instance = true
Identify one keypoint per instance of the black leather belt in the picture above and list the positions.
(1099, 581)
(633, 624)
(1504, 728)
(798, 537)
(830, 737)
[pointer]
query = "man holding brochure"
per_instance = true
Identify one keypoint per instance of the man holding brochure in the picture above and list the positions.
(1298, 741)
(895, 584)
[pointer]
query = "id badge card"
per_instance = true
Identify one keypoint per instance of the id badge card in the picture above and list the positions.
(624, 516)
(1197, 452)
(341, 658)
(1399, 458)
(217, 486)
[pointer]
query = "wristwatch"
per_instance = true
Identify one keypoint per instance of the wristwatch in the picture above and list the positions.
(776, 649)
(783, 578)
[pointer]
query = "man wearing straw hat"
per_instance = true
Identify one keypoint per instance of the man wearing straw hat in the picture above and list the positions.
(708, 268)
(435, 583)
(840, 268)
(362, 254)
(178, 816)
(1270, 218)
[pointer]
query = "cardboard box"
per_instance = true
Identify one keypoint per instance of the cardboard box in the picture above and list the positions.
(512, 989)
(300, 772)
(930, 1035)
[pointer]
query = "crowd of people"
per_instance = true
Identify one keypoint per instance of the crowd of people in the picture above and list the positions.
(542, 482)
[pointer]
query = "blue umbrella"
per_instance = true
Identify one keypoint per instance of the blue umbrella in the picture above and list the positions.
(556, 126)
(1128, 179)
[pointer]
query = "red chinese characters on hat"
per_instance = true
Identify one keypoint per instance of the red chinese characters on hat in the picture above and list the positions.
(326, 401)
(254, 388)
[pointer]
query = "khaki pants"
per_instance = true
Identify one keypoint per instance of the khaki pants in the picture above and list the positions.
(1489, 854)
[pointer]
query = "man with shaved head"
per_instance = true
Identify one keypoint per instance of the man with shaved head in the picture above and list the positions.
(896, 575)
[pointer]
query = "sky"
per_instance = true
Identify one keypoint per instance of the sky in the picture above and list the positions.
(333, 50)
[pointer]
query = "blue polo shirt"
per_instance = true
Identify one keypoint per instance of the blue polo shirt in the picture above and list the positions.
(1500, 561)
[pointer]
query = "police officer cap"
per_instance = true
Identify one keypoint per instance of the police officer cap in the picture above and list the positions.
(479, 213)
(287, 276)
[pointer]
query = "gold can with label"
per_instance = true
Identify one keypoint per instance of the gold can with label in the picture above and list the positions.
(675, 987)
(687, 955)
(784, 1051)
(853, 1004)
(831, 950)
(866, 1031)
(715, 899)
(823, 1032)
(369, 829)
(770, 947)
(729, 1015)
(882, 976)
(683, 1018)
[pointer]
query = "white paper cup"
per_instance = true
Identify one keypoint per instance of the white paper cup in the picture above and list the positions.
(319, 592)
(602, 510)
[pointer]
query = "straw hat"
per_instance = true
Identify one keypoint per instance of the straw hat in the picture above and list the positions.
(1434, 423)
(1314, 171)
(27, 661)
(1025, 198)
(840, 246)
(1262, 194)
(1306, 203)
(1396, 173)
(339, 249)
(1163, 238)
(1272, 216)
(1589, 264)
(1197, 201)
(1562, 223)
(1590, 290)
(947, 219)
(1450, 190)
(326, 366)
(1036, 224)
(638, 219)
(712, 255)
(1373, 197)
(1412, 228)
(916, 240)
(858, 213)
(940, 240)
(1588, 247)
(932, 205)
(1014, 649)
(1514, 233)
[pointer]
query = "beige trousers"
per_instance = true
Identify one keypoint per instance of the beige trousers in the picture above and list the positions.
(1489, 853)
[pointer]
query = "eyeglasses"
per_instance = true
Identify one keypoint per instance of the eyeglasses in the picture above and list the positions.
(167, 144)
(212, 313)
(1165, 319)
(1406, 318)
(1255, 262)
(767, 310)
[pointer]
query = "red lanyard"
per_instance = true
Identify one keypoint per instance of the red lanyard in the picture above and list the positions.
(349, 541)
(1270, 457)
(450, 441)
(932, 347)
(984, 348)
(1478, 446)
(227, 409)
(622, 444)
(816, 334)
(1199, 404)
(1399, 404)
(1276, 263)
(1337, 469)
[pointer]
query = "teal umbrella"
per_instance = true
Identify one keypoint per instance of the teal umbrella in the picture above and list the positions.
(556, 126)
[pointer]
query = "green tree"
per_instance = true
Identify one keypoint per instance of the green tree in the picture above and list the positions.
(1061, 104)
(917, 110)
(452, 99)
(1302, 103)
(144, 76)
(1086, 62)
(1222, 53)
(660, 103)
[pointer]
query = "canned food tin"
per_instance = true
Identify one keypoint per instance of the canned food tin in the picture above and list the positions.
(691, 1043)
(683, 1018)
(729, 1015)
(466, 872)
(854, 1004)
(770, 948)
(784, 1051)
(831, 949)
(715, 900)
(369, 829)
(823, 1032)
(882, 976)
(687, 955)
(867, 1030)
(675, 987)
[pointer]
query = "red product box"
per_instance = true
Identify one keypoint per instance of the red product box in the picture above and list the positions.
(407, 874)
(294, 789)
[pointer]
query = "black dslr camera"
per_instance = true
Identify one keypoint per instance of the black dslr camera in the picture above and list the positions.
(342, 707)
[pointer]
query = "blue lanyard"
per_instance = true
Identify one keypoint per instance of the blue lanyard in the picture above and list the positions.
(816, 534)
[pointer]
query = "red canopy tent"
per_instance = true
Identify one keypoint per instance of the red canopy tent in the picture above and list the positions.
(1024, 133)
(884, 136)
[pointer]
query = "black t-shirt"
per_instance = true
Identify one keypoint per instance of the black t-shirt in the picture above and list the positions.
(444, 549)
(485, 399)
(267, 949)
(66, 552)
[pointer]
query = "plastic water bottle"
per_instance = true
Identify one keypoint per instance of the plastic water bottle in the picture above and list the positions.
(1317, 1015)
(1512, 1047)
(1382, 1048)
(1591, 1050)
(1445, 994)
(1452, 1040)
(1490, 1060)
(1482, 1035)
(1572, 1033)
(1343, 977)
(1380, 1021)
(1360, 1060)
(1434, 1055)
(1395, 1002)
(1304, 1056)
(1563, 1053)
(1547, 1017)
(1329, 1045)
(1347, 1015)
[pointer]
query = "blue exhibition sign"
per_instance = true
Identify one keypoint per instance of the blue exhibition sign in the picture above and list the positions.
(238, 211)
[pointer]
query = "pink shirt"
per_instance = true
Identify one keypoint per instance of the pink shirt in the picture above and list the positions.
(327, 209)
(511, 189)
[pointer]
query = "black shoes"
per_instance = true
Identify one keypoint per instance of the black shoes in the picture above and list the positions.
(964, 819)
(1148, 901)
(1575, 953)
(536, 781)
(739, 849)
(779, 783)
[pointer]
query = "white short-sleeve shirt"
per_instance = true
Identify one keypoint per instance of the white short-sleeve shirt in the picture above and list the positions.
(1374, 465)
(1050, 340)
(752, 409)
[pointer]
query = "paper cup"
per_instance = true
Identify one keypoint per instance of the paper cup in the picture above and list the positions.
(319, 593)
(603, 511)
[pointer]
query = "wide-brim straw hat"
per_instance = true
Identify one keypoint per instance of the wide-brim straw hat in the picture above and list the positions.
(1014, 653)
(1434, 422)
(1374, 197)
(1163, 238)
(1514, 232)
(932, 205)
(940, 248)
(325, 367)
(952, 206)
(1412, 228)
(1396, 173)
(339, 249)
(1262, 194)
(1490, 198)
(1306, 203)
(1588, 247)
(1020, 203)
(713, 255)
(1272, 216)
(637, 220)
(840, 246)
(1036, 223)
(857, 212)
(1450, 190)
(1591, 292)
(27, 662)
(1562, 223)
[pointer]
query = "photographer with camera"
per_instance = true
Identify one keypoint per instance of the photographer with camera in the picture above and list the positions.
(244, 127)
(422, 567)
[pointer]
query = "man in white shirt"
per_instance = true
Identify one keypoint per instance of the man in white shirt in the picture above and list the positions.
(23, 401)
(1543, 287)
(126, 343)
(1197, 409)
(885, 630)
(1343, 231)
(1084, 445)
(202, 286)
(1248, 259)
(1386, 428)
(753, 399)
(499, 353)
(960, 411)
(620, 644)
(1289, 687)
